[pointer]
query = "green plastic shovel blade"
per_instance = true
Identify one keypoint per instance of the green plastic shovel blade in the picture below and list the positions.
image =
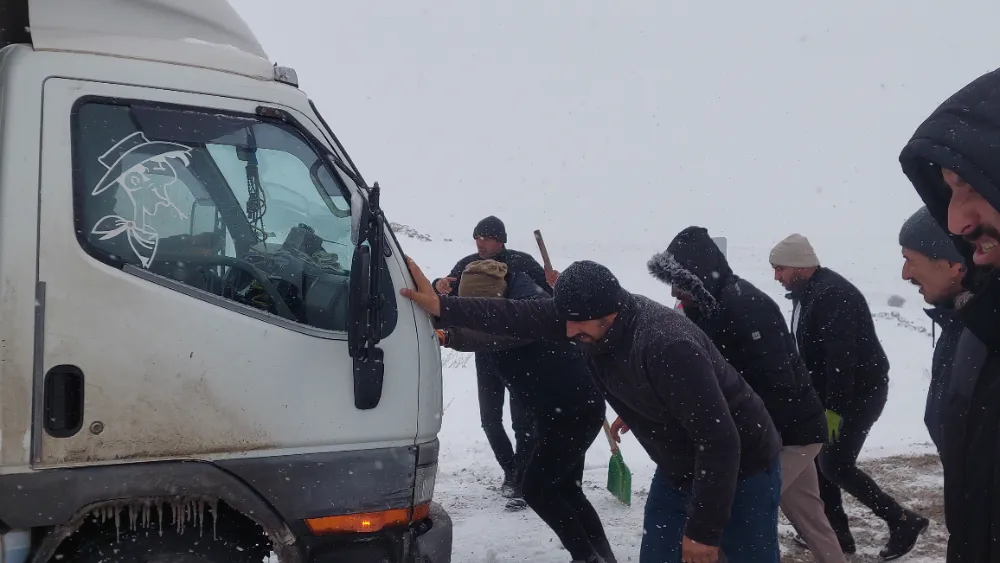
(620, 479)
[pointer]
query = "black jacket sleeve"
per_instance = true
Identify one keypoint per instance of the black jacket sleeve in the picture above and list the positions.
(465, 340)
(838, 342)
(531, 319)
(526, 263)
(456, 272)
(685, 379)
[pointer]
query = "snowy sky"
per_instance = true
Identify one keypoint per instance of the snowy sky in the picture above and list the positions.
(636, 119)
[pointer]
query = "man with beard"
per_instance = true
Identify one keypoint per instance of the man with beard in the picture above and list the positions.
(490, 235)
(718, 476)
(932, 263)
(953, 161)
(749, 330)
(836, 338)
(553, 382)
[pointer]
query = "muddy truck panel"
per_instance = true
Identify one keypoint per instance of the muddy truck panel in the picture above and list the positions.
(201, 303)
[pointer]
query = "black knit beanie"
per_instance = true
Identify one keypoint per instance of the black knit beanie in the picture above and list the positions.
(586, 291)
(923, 234)
(491, 227)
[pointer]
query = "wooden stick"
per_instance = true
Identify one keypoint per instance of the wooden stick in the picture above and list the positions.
(611, 439)
(545, 253)
(547, 263)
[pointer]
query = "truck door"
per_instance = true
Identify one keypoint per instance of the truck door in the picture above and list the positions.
(195, 255)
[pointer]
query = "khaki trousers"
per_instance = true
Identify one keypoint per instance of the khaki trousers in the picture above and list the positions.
(801, 503)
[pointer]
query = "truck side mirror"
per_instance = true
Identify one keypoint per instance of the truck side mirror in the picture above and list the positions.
(362, 329)
(365, 300)
(359, 300)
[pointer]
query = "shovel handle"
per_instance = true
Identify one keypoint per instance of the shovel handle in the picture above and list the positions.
(611, 439)
(546, 262)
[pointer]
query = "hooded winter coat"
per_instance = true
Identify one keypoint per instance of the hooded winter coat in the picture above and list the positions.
(692, 412)
(748, 329)
(963, 135)
(837, 340)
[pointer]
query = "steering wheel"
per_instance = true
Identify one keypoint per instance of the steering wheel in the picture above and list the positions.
(258, 275)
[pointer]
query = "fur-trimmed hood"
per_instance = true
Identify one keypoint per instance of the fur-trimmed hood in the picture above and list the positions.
(696, 265)
(664, 267)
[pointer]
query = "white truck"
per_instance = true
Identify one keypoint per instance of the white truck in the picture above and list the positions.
(204, 355)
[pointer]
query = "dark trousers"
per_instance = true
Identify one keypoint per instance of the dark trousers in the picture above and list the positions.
(491, 399)
(552, 484)
(750, 536)
(838, 469)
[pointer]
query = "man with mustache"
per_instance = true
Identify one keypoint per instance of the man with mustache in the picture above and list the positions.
(932, 263)
(953, 162)
(718, 476)
(552, 380)
(490, 235)
(836, 338)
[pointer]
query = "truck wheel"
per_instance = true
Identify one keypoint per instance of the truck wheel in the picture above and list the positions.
(233, 539)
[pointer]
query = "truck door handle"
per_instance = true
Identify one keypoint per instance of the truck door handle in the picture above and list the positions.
(63, 405)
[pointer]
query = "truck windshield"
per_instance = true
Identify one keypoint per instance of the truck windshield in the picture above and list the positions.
(177, 191)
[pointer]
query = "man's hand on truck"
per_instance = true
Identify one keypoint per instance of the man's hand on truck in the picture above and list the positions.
(425, 297)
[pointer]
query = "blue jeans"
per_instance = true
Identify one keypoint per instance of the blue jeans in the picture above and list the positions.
(751, 535)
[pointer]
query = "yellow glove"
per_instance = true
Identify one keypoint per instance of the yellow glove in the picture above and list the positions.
(833, 424)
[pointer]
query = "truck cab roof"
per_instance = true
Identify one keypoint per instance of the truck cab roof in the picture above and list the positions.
(196, 33)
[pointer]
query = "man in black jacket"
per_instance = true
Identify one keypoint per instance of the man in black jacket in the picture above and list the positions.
(932, 263)
(749, 330)
(718, 474)
(553, 382)
(490, 235)
(836, 338)
(953, 161)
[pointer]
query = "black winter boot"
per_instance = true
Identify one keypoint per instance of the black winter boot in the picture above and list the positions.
(605, 552)
(903, 535)
(516, 501)
(508, 489)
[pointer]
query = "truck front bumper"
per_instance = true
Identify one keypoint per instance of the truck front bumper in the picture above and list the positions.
(428, 541)
(434, 545)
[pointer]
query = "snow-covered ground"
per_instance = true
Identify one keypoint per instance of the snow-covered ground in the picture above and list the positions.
(469, 475)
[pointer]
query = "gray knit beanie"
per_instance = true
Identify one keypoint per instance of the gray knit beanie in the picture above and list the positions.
(794, 252)
(923, 234)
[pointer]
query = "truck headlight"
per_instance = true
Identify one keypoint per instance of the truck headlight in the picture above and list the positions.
(423, 487)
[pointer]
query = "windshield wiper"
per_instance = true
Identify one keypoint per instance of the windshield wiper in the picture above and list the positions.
(360, 181)
(347, 171)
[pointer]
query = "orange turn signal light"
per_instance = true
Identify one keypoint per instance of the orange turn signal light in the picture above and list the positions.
(368, 522)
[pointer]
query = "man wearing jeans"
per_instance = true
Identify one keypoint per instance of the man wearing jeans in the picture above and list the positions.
(718, 479)
(747, 327)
